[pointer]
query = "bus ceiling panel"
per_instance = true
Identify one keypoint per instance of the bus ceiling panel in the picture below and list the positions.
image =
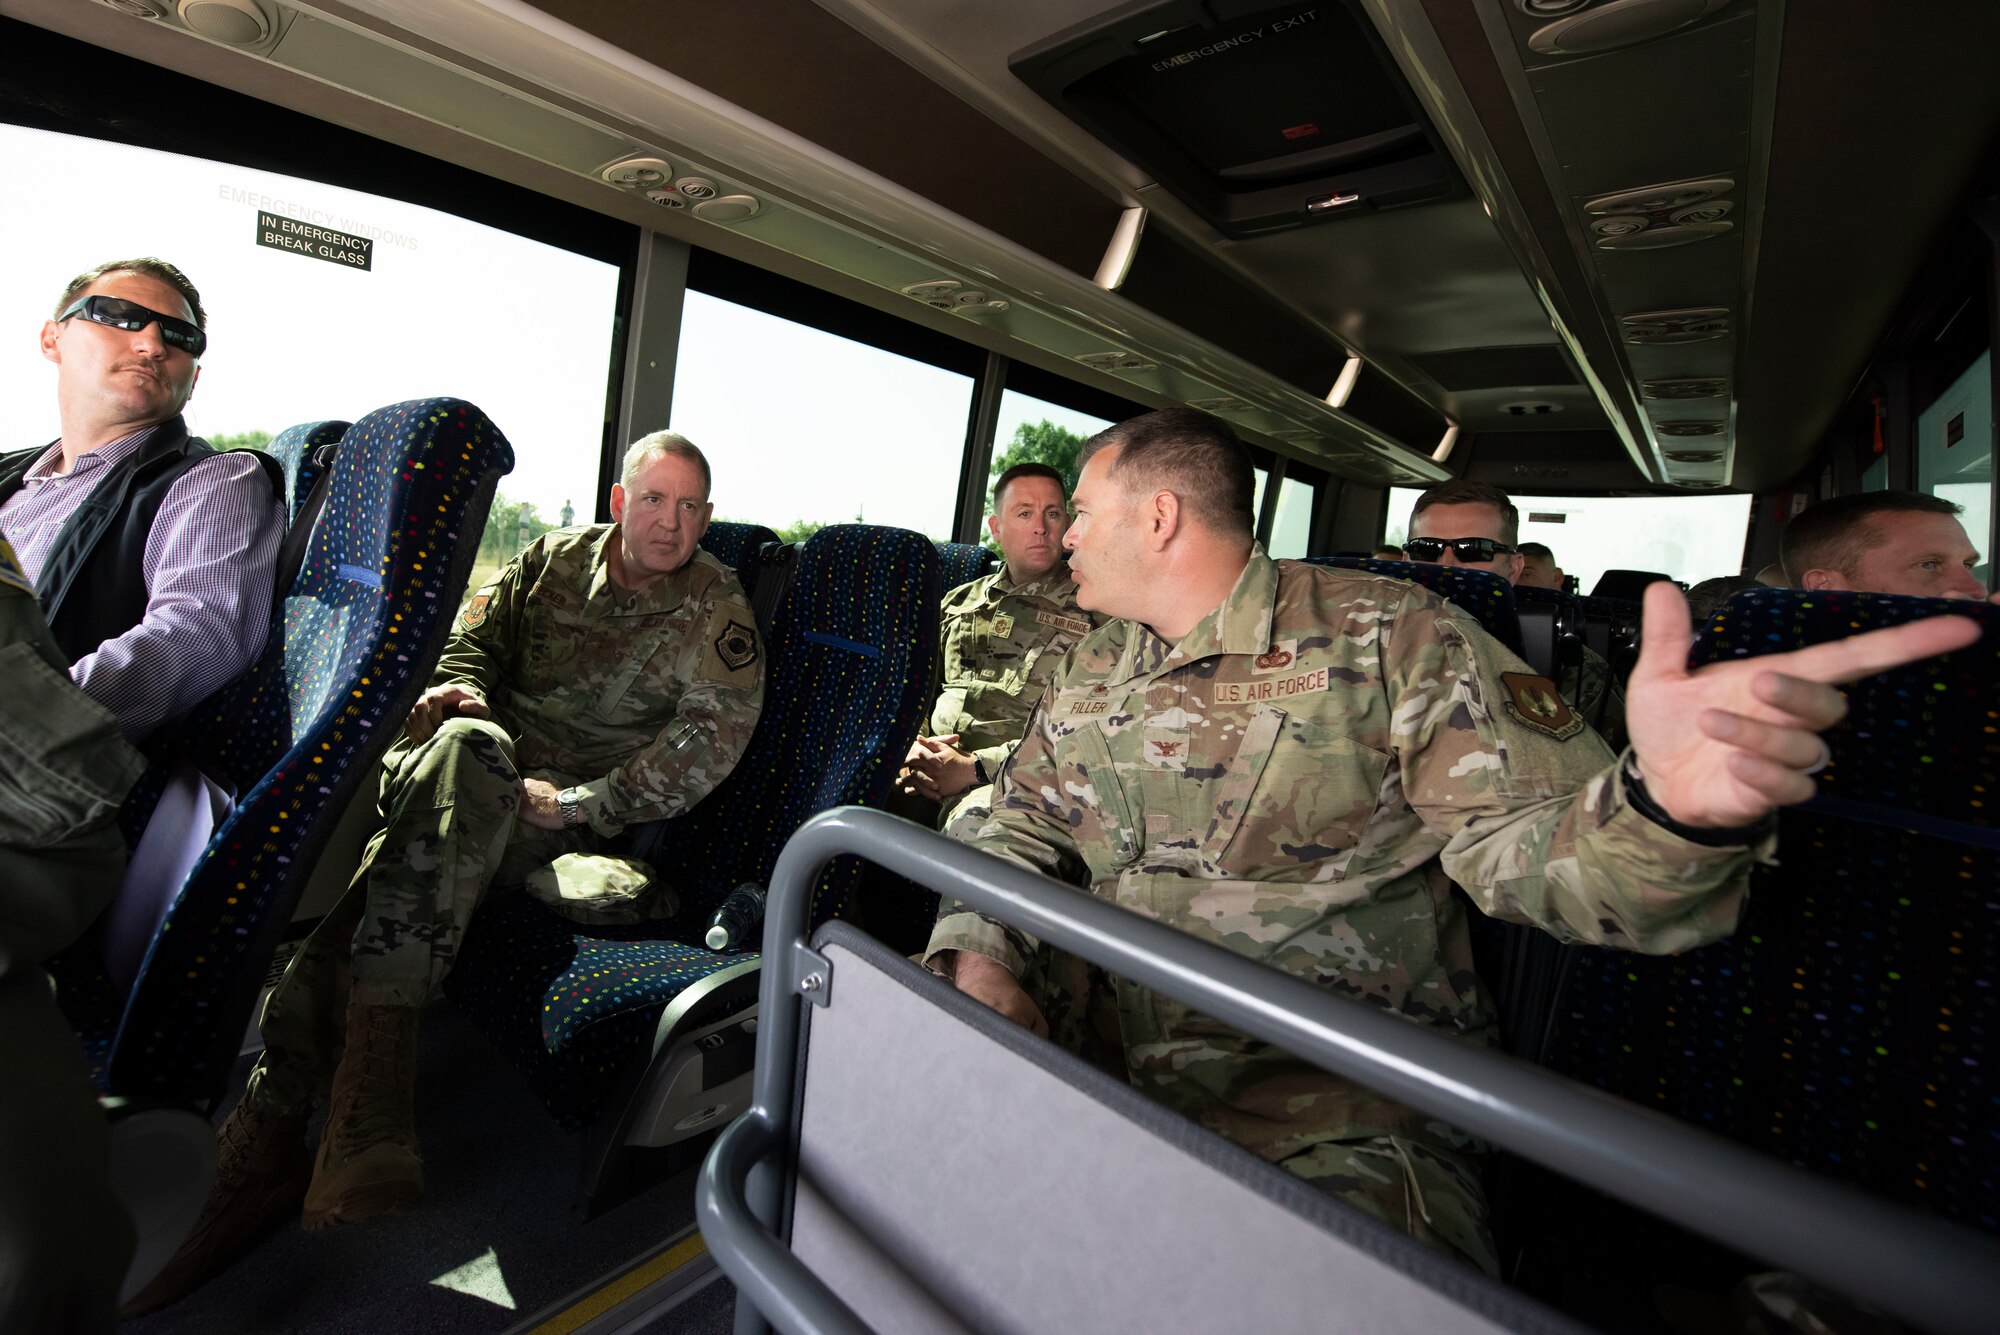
(1890, 116)
(1670, 109)
(566, 89)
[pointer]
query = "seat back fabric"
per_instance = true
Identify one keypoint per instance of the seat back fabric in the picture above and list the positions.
(1847, 1023)
(738, 546)
(963, 562)
(301, 734)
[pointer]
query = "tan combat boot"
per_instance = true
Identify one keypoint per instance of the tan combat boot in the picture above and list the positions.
(368, 1163)
(261, 1172)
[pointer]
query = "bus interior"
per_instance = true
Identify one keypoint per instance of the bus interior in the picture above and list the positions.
(1666, 271)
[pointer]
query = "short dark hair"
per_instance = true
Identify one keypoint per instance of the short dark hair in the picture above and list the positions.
(1019, 471)
(1710, 594)
(1388, 551)
(1190, 453)
(1538, 550)
(1833, 534)
(1466, 492)
(150, 268)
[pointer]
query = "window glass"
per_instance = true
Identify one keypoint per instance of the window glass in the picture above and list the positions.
(1876, 477)
(805, 428)
(445, 306)
(1955, 453)
(1033, 430)
(1261, 478)
(1691, 538)
(1291, 528)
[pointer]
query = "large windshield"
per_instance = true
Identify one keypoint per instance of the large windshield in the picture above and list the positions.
(1691, 538)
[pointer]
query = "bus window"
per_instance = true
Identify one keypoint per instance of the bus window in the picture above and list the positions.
(805, 428)
(1033, 430)
(1291, 528)
(443, 307)
(1955, 452)
(1692, 538)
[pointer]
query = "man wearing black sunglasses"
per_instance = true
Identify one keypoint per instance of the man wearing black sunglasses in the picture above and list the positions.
(152, 554)
(1475, 524)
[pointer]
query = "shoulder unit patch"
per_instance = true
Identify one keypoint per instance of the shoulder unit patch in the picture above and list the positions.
(1536, 704)
(474, 615)
(736, 646)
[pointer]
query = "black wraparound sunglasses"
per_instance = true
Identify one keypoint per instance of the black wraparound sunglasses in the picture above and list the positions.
(1471, 551)
(122, 314)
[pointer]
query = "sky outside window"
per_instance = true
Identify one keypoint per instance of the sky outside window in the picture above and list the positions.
(449, 307)
(805, 425)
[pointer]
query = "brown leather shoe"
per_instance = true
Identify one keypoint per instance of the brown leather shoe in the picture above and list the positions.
(368, 1163)
(261, 1172)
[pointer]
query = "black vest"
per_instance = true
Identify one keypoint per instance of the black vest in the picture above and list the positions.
(92, 585)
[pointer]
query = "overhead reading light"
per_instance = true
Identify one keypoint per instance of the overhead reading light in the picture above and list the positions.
(1710, 428)
(948, 294)
(1662, 238)
(1618, 23)
(1684, 389)
(725, 208)
(1693, 456)
(235, 22)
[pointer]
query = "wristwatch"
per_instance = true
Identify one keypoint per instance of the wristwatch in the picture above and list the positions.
(569, 803)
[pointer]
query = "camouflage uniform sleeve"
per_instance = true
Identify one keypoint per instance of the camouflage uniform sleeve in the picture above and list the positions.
(1026, 829)
(477, 654)
(722, 662)
(67, 768)
(992, 758)
(1534, 810)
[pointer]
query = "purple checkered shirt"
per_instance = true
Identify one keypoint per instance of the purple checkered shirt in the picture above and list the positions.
(210, 559)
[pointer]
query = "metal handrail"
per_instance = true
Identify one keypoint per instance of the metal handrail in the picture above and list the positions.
(1913, 1266)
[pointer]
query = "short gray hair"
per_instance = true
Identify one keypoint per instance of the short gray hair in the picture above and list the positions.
(658, 445)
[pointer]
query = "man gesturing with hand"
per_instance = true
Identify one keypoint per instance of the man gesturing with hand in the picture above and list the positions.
(1296, 763)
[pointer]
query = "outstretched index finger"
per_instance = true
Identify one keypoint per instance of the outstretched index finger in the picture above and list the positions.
(1859, 656)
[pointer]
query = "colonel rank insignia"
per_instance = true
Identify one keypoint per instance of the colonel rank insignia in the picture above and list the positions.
(736, 646)
(1536, 704)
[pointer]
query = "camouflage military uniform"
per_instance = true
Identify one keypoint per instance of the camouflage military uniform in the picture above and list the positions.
(1590, 687)
(642, 701)
(1300, 780)
(1000, 643)
(64, 1238)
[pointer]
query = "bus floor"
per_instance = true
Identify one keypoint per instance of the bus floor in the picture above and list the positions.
(498, 1244)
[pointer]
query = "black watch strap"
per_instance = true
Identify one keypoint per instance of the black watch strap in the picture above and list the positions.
(1642, 802)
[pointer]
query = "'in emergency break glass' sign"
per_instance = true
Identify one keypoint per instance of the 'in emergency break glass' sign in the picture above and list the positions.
(320, 243)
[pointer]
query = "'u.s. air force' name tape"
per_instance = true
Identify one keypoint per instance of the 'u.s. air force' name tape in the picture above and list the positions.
(313, 241)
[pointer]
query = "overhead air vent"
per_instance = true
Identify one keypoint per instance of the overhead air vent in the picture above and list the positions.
(1221, 405)
(636, 173)
(1695, 324)
(1684, 389)
(1644, 237)
(139, 9)
(1259, 116)
(1618, 23)
(1530, 408)
(1117, 361)
(1686, 429)
(1662, 198)
(941, 294)
(1693, 456)
(1549, 9)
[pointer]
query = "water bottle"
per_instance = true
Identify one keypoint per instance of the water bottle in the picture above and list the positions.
(738, 921)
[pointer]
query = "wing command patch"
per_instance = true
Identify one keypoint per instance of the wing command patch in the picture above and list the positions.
(474, 615)
(1537, 705)
(736, 646)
